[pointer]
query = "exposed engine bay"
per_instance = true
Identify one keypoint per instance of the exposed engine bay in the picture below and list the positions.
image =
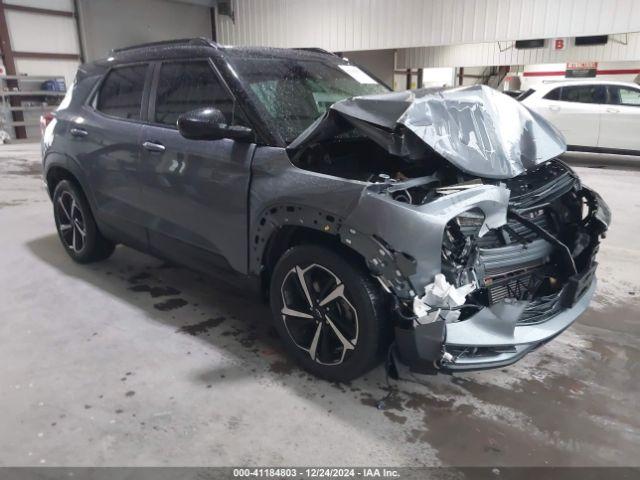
(358, 158)
(546, 238)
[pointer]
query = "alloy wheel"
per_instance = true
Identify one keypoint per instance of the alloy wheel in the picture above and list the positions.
(317, 314)
(71, 222)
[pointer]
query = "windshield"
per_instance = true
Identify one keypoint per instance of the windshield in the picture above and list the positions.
(292, 93)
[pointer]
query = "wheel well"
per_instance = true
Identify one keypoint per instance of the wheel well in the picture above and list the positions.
(56, 174)
(290, 236)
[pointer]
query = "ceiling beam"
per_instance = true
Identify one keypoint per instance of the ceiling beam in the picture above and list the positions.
(40, 11)
(47, 55)
(202, 3)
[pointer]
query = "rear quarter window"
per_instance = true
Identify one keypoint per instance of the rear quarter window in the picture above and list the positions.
(120, 94)
(526, 94)
(553, 94)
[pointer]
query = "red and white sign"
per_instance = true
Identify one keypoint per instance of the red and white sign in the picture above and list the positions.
(559, 43)
(582, 70)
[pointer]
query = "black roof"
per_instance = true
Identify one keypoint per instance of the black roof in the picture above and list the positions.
(184, 46)
(167, 43)
(198, 47)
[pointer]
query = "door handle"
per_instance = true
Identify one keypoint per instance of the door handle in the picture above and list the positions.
(554, 108)
(613, 110)
(154, 147)
(79, 132)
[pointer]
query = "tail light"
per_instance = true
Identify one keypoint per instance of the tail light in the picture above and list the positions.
(45, 119)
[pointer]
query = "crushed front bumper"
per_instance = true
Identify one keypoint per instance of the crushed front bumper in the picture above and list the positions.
(491, 338)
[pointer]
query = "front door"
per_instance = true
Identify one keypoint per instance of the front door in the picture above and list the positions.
(578, 112)
(194, 192)
(621, 121)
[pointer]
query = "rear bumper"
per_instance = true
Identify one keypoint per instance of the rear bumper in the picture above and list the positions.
(491, 338)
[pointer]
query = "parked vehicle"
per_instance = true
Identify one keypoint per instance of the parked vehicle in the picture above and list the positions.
(593, 115)
(436, 221)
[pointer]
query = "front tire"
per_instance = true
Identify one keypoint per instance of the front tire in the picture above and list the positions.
(329, 312)
(76, 226)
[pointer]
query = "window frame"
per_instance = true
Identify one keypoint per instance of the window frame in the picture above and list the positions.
(610, 95)
(558, 89)
(578, 85)
(92, 99)
(153, 90)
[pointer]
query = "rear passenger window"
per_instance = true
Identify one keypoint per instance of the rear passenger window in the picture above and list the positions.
(584, 94)
(186, 86)
(553, 94)
(121, 92)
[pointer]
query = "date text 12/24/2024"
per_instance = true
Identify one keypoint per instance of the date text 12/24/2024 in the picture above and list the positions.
(316, 472)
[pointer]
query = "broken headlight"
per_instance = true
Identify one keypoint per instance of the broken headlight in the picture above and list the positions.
(470, 222)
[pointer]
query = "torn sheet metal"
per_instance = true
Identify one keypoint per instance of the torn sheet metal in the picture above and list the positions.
(417, 230)
(478, 129)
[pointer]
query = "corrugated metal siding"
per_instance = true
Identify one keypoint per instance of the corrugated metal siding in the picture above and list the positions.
(503, 53)
(340, 25)
(26, 29)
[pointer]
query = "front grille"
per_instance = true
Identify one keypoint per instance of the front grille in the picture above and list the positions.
(541, 309)
(519, 286)
(514, 257)
(515, 233)
(499, 260)
(541, 186)
(516, 261)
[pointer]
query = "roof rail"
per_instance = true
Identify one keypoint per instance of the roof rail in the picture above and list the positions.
(181, 41)
(316, 50)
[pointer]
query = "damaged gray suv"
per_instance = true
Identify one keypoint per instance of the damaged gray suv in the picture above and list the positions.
(438, 225)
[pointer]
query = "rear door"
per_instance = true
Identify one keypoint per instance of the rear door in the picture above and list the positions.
(107, 142)
(194, 191)
(577, 112)
(621, 120)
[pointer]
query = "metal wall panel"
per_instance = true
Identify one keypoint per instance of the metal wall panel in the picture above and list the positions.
(340, 25)
(43, 34)
(624, 47)
(29, 30)
(105, 25)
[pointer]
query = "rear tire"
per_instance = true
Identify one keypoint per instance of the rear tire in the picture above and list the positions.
(76, 226)
(336, 328)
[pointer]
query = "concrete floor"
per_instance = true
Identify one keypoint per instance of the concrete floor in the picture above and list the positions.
(134, 362)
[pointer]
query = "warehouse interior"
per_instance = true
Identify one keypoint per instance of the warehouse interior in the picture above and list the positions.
(424, 44)
(135, 361)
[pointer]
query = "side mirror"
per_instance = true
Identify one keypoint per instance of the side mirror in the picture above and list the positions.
(210, 124)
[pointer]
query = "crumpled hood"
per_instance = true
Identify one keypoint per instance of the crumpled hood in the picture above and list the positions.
(478, 129)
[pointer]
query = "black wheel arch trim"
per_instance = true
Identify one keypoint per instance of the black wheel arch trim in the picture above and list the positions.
(392, 268)
(61, 160)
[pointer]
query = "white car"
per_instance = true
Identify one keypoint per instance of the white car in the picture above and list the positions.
(594, 115)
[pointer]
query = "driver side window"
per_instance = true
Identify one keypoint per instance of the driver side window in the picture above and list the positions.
(624, 96)
(186, 86)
